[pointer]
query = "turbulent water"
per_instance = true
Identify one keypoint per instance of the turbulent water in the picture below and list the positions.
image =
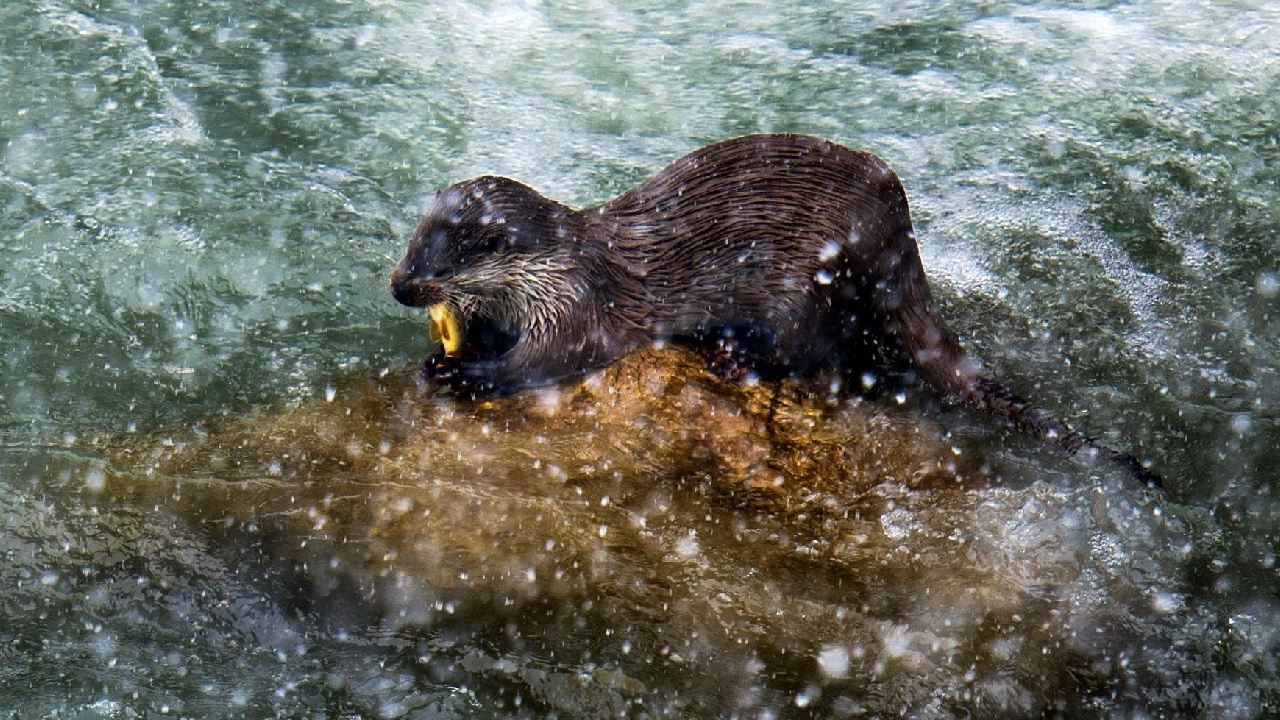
(203, 200)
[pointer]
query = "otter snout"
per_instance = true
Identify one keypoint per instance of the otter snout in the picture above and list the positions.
(415, 291)
(403, 292)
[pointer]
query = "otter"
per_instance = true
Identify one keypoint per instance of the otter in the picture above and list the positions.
(779, 249)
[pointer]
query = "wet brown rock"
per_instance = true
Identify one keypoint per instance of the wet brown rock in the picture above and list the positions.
(656, 540)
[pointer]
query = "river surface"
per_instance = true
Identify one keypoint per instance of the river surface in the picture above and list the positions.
(203, 200)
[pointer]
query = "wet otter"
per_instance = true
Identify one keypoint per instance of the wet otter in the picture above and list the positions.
(790, 245)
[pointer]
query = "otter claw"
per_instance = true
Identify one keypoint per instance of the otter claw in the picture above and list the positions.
(447, 372)
(727, 360)
(438, 366)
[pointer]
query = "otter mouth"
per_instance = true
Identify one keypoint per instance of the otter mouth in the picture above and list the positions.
(474, 337)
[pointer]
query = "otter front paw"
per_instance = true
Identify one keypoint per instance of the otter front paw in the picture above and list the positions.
(449, 372)
(728, 360)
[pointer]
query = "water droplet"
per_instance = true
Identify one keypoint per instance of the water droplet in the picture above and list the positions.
(1241, 423)
(1268, 285)
(1165, 602)
(833, 661)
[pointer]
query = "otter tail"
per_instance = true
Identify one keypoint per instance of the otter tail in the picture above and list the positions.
(911, 316)
(993, 397)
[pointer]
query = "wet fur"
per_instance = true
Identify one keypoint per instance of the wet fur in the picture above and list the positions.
(793, 245)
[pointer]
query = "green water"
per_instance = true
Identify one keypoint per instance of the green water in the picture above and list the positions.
(203, 201)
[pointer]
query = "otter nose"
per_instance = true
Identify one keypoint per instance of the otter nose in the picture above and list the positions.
(402, 291)
(406, 283)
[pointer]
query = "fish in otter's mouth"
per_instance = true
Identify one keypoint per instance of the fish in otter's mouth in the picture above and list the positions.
(445, 328)
(469, 335)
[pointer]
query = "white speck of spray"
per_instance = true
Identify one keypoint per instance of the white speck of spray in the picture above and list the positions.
(1165, 602)
(830, 249)
(1241, 424)
(687, 546)
(896, 641)
(833, 661)
(329, 393)
(273, 71)
(1268, 285)
(95, 480)
(549, 400)
(807, 696)
(823, 277)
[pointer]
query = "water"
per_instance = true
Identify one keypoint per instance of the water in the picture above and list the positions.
(203, 201)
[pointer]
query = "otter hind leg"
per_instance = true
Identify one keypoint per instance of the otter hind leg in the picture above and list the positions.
(761, 351)
(735, 353)
(729, 359)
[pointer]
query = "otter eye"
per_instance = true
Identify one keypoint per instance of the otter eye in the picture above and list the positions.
(495, 243)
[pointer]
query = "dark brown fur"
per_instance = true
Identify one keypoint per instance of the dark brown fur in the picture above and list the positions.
(792, 244)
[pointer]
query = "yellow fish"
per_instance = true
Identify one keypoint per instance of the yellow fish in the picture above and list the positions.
(445, 328)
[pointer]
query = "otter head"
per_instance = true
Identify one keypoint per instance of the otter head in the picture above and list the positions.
(469, 259)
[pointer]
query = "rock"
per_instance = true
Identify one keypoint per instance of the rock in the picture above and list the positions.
(658, 537)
